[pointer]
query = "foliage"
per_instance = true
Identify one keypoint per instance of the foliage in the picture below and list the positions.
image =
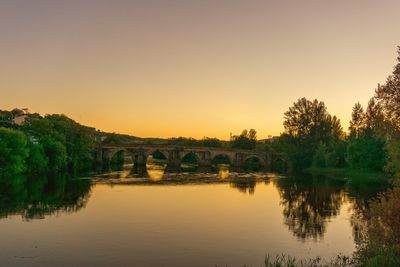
(366, 152)
(319, 159)
(60, 134)
(246, 140)
(37, 161)
(211, 142)
(206, 142)
(311, 119)
(13, 152)
(288, 261)
(56, 153)
(393, 164)
(357, 123)
(375, 120)
(308, 127)
(380, 245)
(388, 95)
(113, 139)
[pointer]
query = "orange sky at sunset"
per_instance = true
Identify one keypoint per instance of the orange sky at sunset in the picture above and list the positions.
(193, 68)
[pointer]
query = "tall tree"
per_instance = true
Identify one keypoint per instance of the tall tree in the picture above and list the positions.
(307, 125)
(246, 140)
(388, 95)
(357, 123)
(307, 118)
(375, 119)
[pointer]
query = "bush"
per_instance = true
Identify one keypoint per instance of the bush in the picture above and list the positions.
(393, 163)
(319, 156)
(332, 160)
(366, 152)
(381, 244)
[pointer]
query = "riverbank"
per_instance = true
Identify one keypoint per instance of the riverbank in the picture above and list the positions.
(350, 175)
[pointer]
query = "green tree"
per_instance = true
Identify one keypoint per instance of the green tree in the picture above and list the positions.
(246, 140)
(211, 142)
(54, 131)
(393, 163)
(13, 152)
(374, 118)
(366, 152)
(37, 161)
(56, 154)
(357, 123)
(319, 159)
(307, 124)
(380, 245)
(388, 95)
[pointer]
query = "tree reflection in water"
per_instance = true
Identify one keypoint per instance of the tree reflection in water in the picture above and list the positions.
(360, 195)
(34, 198)
(309, 203)
(246, 184)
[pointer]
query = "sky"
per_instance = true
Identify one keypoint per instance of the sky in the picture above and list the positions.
(193, 68)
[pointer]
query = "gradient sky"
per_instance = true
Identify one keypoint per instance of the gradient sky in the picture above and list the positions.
(192, 68)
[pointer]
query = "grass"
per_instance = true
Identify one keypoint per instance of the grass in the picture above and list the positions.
(288, 261)
(284, 260)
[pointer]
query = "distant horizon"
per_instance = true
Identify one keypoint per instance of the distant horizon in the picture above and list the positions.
(345, 130)
(193, 69)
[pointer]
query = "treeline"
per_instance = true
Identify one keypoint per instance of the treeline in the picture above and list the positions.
(55, 144)
(205, 142)
(45, 145)
(246, 140)
(315, 138)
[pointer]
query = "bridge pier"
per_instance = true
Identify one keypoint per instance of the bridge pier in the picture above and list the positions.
(140, 158)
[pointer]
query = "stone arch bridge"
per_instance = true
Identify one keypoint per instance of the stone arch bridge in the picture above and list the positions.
(174, 154)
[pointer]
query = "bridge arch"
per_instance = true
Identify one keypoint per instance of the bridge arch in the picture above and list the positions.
(156, 158)
(258, 157)
(190, 161)
(253, 163)
(157, 154)
(221, 158)
(190, 155)
(116, 159)
(278, 164)
(110, 153)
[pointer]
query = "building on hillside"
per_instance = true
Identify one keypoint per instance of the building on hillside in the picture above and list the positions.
(19, 119)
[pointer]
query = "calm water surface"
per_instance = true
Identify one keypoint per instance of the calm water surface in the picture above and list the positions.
(84, 224)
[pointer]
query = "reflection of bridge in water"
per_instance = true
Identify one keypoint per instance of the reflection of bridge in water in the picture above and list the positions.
(204, 156)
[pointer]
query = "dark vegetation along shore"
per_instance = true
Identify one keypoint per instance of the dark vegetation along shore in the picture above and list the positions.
(33, 147)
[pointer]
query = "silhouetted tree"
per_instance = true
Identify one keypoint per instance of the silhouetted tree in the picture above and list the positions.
(357, 123)
(375, 119)
(307, 124)
(388, 95)
(246, 140)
